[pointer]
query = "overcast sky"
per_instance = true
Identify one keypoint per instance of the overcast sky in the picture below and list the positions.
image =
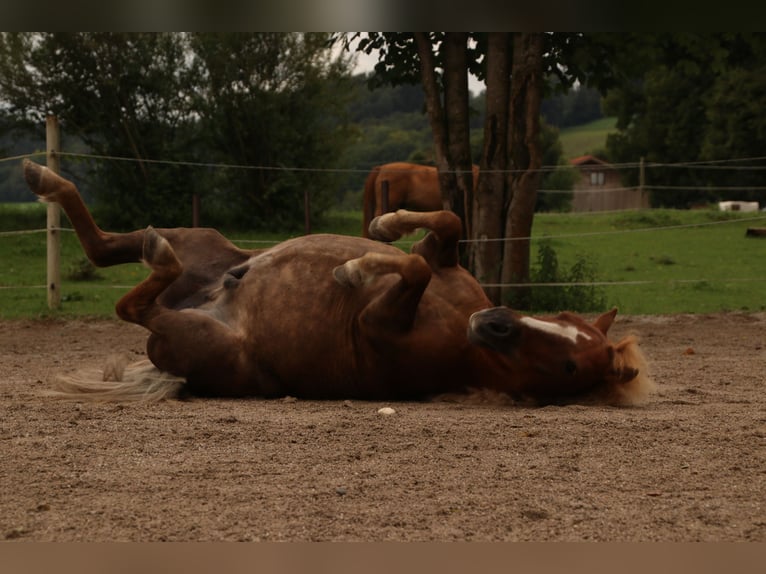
(366, 63)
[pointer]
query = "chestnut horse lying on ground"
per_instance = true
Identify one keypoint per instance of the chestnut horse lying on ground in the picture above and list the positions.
(328, 316)
(411, 186)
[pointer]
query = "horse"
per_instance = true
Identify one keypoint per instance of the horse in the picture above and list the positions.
(334, 317)
(411, 186)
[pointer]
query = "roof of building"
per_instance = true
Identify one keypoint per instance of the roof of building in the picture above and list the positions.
(587, 160)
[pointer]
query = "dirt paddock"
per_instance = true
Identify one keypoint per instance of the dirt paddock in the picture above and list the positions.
(687, 466)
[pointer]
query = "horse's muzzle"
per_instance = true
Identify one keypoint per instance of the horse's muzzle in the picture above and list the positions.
(497, 328)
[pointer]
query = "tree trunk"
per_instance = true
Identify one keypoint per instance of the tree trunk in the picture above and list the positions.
(488, 214)
(526, 160)
(458, 129)
(436, 117)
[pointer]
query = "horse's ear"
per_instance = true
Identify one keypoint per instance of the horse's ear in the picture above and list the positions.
(603, 322)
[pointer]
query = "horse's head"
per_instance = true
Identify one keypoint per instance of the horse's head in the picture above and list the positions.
(563, 358)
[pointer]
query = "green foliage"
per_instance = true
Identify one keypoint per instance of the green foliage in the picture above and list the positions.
(124, 95)
(572, 290)
(254, 99)
(555, 183)
(691, 97)
(21, 216)
(644, 219)
(572, 108)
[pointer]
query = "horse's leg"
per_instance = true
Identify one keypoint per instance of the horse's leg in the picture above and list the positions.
(395, 307)
(102, 248)
(439, 247)
(185, 343)
(139, 305)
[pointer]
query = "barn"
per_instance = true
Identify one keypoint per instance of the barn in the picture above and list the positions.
(599, 188)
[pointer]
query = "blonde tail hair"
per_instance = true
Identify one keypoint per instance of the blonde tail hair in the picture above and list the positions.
(119, 380)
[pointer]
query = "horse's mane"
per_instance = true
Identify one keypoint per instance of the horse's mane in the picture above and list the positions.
(628, 355)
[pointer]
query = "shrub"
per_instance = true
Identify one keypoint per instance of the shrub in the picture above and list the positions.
(83, 270)
(573, 289)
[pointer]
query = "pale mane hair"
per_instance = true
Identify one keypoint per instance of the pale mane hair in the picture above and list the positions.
(119, 380)
(628, 355)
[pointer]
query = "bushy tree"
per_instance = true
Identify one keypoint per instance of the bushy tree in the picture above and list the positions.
(278, 101)
(124, 95)
(246, 99)
(689, 98)
(557, 183)
(737, 129)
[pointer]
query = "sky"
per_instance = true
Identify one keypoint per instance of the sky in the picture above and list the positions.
(366, 62)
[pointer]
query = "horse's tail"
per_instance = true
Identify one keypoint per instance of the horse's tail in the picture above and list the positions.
(368, 202)
(119, 380)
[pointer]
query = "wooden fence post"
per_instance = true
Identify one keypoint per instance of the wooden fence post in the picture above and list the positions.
(195, 210)
(384, 196)
(53, 223)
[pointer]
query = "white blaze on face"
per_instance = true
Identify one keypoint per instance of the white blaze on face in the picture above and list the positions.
(569, 332)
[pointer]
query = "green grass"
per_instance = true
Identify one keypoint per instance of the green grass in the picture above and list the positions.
(587, 138)
(649, 269)
(657, 266)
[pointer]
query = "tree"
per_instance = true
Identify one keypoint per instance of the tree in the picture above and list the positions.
(124, 95)
(690, 97)
(275, 100)
(525, 152)
(736, 128)
(573, 108)
(514, 66)
(247, 99)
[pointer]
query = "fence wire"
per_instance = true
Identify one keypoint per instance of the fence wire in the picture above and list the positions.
(725, 164)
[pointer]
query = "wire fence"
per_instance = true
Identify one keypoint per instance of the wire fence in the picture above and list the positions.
(721, 164)
(738, 164)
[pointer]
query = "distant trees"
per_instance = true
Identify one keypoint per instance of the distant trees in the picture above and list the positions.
(273, 100)
(248, 99)
(389, 125)
(687, 98)
(572, 107)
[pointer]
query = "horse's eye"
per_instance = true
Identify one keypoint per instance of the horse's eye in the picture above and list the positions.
(570, 367)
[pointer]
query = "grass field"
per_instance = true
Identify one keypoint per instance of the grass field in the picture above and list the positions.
(667, 261)
(654, 261)
(587, 138)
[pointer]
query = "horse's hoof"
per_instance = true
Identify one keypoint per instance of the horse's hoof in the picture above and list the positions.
(380, 228)
(348, 274)
(157, 252)
(43, 182)
(33, 174)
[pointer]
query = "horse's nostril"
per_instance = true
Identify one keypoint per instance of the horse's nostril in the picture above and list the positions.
(499, 328)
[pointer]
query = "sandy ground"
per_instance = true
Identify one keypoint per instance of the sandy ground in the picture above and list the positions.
(687, 466)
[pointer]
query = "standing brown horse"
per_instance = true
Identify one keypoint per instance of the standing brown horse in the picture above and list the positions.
(328, 316)
(410, 186)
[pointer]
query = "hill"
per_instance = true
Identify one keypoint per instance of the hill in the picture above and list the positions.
(586, 138)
